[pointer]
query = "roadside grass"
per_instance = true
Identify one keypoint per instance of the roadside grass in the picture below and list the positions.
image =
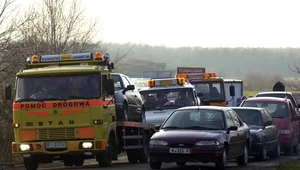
(292, 165)
(250, 93)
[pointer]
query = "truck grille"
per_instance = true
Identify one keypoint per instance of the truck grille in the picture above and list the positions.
(56, 134)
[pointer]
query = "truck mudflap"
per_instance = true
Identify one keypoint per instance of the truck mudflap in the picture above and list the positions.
(87, 147)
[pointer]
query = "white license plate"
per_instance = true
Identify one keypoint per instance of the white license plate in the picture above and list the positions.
(50, 145)
(180, 150)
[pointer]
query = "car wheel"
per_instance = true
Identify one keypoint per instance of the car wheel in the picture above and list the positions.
(288, 151)
(262, 154)
(296, 149)
(276, 151)
(180, 163)
(222, 162)
(243, 159)
(155, 165)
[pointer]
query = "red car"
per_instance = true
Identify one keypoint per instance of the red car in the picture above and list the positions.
(285, 117)
(201, 134)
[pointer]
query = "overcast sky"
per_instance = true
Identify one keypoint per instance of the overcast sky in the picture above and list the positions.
(206, 23)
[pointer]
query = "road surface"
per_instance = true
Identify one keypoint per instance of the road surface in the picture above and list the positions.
(123, 164)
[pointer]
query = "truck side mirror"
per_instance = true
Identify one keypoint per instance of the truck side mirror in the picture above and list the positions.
(110, 87)
(232, 90)
(8, 92)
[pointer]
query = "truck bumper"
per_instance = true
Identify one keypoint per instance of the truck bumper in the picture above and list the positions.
(59, 147)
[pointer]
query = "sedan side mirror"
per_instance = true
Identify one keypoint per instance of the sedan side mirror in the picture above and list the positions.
(199, 94)
(268, 123)
(231, 128)
(157, 127)
(129, 87)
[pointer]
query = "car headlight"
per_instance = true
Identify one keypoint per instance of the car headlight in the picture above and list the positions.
(158, 143)
(25, 147)
(284, 131)
(205, 143)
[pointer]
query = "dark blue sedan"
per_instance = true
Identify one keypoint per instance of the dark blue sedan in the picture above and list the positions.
(264, 132)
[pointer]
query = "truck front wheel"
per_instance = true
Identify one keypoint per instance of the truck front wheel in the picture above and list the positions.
(79, 161)
(105, 159)
(30, 163)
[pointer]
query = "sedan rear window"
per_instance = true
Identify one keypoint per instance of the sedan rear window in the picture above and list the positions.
(250, 117)
(276, 109)
(279, 96)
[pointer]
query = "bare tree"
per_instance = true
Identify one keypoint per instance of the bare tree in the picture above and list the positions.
(9, 25)
(58, 26)
(294, 84)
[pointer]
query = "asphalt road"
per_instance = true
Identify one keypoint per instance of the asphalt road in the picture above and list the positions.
(123, 164)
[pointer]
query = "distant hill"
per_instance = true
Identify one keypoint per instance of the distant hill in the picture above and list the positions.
(226, 62)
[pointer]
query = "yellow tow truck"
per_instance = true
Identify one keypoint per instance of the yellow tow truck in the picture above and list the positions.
(57, 115)
(209, 87)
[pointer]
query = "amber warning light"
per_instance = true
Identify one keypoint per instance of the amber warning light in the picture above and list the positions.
(166, 82)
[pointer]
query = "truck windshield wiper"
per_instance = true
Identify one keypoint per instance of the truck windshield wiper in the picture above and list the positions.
(24, 100)
(73, 97)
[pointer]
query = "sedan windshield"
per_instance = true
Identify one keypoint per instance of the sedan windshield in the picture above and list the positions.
(172, 98)
(276, 109)
(84, 86)
(195, 119)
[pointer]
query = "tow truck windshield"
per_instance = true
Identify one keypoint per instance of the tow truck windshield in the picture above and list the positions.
(168, 98)
(212, 91)
(62, 87)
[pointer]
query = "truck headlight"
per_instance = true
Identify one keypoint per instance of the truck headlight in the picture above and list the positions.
(25, 147)
(206, 143)
(157, 143)
(284, 131)
(87, 145)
